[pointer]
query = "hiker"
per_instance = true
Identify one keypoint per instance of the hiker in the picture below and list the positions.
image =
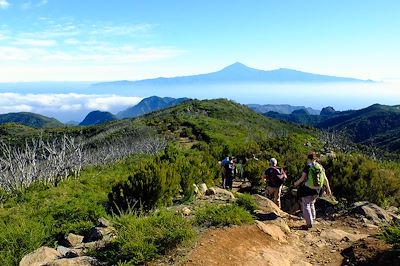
(230, 172)
(312, 181)
(274, 176)
(223, 173)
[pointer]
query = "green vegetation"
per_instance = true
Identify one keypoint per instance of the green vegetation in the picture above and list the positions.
(133, 187)
(376, 125)
(143, 238)
(225, 215)
(246, 201)
(97, 118)
(391, 234)
(31, 120)
(357, 178)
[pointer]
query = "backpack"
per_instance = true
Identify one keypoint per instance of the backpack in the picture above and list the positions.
(277, 176)
(230, 170)
(316, 176)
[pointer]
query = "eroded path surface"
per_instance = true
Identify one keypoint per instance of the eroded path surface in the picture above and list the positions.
(270, 243)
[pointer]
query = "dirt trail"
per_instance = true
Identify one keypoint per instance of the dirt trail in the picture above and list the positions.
(248, 245)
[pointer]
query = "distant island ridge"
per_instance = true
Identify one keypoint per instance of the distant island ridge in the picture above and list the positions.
(237, 73)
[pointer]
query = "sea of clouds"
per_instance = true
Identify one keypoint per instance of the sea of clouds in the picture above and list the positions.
(65, 106)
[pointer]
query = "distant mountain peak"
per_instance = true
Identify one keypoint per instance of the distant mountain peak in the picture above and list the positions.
(236, 73)
(237, 66)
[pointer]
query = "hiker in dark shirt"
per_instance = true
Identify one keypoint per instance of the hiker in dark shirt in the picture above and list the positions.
(230, 172)
(274, 177)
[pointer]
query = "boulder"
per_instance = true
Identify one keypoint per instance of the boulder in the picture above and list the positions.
(73, 240)
(40, 257)
(195, 189)
(78, 261)
(325, 205)
(67, 252)
(100, 233)
(211, 191)
(371, 212)
(203, 188)
(103, 222)
(273, 231)
(219, 193)
(280, 223)
(340, 235)
(186, 211)
(268, 206)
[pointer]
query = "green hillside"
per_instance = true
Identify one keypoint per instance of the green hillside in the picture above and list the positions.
(377, 125)
(167, 152)
(30, 119)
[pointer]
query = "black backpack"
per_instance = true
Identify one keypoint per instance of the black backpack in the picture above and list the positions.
(230, 170)
(276, 176)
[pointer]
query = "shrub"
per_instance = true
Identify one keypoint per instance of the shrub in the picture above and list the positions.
(253, 170)
(391, 234)
(356, 178)
(143, 238)
(247, 202)
(154, 183)
(19, 238)
(223, 215)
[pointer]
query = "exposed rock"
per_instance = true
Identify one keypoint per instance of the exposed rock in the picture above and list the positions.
(371, 211)
(78, 261)
(280, 223)
(73, 240)
(195, 189)
(371, 251)
(40, 257)
(100, 233)
(272, 230)
(268, 205)
(211, 191)
(340, 235)
(325, 205)
(103, 222)
(203, 188)
(67, 252)
(186, 211)
(83, 248)
(222, 192)
(393, 209)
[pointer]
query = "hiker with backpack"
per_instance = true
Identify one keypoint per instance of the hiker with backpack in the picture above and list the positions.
(274, 176)
(230, 173)
(313, 180)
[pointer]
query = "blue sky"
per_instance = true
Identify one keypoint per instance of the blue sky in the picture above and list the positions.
(75, 40)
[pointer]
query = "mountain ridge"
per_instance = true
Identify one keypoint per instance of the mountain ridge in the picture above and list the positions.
(235, 73)
(30, 120)
(148, 105)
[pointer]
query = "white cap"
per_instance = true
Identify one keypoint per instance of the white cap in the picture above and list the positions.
(273, 161)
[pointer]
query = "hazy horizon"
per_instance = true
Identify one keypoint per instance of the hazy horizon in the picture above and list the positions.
(74, 41)
(70, 104)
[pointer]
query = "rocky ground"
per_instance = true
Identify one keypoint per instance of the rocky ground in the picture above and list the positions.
(345, 237)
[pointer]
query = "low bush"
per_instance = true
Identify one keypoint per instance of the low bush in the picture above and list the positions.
(222, 215)
(391, 234)
(144, 238)
(247, 202)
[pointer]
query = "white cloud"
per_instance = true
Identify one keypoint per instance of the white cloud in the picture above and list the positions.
(96, 54)
(124, 30)
(63, 104)
(4, 4)
(35, 42)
